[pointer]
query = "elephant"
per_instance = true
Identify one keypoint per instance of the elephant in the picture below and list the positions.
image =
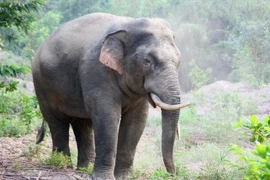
(98, 74)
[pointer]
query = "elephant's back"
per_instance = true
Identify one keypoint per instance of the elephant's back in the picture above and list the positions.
(73, 39)
(85, 30)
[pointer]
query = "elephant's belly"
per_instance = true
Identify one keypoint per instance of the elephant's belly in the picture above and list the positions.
(68, 104)
(73, 110)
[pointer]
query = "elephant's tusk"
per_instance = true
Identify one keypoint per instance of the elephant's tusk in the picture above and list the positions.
(165, 106)
(178, 131)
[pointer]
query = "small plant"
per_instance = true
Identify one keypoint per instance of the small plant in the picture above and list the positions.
(258, 163)
(160, 174)
(135, 174)
(32, 151)
(16, 165)
(58, 160)
(182, 171)
(29, 111)
(88, 169)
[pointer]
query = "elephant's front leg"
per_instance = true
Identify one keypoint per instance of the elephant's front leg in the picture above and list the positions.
(84, 134)
(131, 128)
(105, 115)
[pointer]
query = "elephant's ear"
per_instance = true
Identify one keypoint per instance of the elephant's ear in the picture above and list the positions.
(113, 50)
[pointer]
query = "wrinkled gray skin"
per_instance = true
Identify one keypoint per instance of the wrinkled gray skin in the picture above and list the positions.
(95, 73)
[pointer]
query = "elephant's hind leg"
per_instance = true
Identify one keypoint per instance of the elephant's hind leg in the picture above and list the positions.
(59, 128)
(85, 141)
(131, 128)
(57, 121)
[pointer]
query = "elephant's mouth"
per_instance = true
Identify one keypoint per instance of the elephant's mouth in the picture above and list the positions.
(155, 101)
(150, 100)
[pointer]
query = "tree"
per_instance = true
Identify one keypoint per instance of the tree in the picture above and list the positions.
(18, 14)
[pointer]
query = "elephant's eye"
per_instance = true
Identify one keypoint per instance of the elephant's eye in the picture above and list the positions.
(147, 62)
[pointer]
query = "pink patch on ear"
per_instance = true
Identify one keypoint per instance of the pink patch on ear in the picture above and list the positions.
(108, 59)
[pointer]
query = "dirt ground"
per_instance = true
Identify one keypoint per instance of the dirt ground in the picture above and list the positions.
(15, 164)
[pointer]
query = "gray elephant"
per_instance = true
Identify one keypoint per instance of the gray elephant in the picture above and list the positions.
(97, 73)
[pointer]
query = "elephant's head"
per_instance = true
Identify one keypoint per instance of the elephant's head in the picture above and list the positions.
(143, 51)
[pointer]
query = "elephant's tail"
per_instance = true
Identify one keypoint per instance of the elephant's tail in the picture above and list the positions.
(41, 132)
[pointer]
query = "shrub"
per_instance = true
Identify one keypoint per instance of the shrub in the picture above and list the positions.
(18, 113)
(58, 160)
(88, 169)
(199, 77)
(258, 163)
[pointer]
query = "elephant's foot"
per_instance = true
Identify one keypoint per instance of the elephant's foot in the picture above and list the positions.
(122, 174)
(102, 176)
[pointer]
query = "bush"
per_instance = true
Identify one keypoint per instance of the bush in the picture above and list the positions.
(199, 77)
(58, 160)
(258, 163)
(18, 113)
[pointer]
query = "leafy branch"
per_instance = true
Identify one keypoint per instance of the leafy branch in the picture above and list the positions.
(11, 71)
(19, 14)
(259, 162)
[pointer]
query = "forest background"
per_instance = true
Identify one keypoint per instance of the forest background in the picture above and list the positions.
(218, 39)
(224, 72)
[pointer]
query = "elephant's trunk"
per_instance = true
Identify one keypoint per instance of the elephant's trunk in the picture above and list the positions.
(171, 98)
(165, 93)
(169, 130)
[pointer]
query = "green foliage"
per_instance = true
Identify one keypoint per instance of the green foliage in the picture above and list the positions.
(250, 62)
(258, 163)
(11, 71)
(30, 110)
(40, 30)
(230, 38)
(88, 169)
(58, 160)
(18, 113)
(32, 151)
(260, 130)
(18, 14)
(71, 9)
(160, 174)
(135, 174)
(199, 77)
(27, 45)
